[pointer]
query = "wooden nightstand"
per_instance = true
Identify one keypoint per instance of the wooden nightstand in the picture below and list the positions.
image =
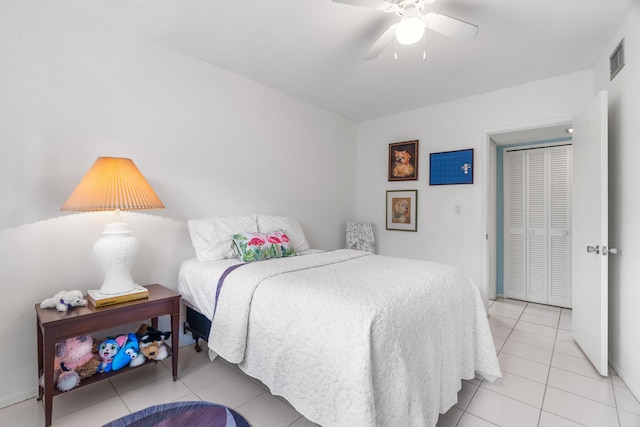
(54, 326)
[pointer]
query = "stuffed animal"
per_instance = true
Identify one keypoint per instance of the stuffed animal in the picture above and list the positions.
(90, 368)
(75, 360)
(108, 350)
(151, 342)
(155, 350)
(139, 359)
(64, 300)
(128, 354)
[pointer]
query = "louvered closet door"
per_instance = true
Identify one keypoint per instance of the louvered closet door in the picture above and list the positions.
(537, 224)
(559, 292)
(536, 179)
(514, 224)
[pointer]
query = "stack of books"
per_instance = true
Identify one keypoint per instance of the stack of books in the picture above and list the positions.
(98, 299)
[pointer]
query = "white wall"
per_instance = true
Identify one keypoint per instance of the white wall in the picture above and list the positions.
(208, 141)
(461, 124)
(624, 201)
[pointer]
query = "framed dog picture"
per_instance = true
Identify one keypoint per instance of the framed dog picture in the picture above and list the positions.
(402, 210)
(403, 161)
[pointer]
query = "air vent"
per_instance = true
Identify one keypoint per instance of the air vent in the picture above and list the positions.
(616, 60)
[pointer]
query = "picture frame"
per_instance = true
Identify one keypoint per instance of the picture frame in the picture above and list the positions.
(402, 210)
(451, 167)
(403, 161)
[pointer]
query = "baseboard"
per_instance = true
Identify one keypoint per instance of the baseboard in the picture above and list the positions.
(18, 397)
(633, 388)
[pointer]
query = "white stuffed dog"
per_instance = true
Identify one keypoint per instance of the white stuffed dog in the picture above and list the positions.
(64, 300)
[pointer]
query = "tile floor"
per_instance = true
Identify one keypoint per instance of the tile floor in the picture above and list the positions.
(546, 382)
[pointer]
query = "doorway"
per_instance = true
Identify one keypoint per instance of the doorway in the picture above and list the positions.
(590, 240)
(497, 142)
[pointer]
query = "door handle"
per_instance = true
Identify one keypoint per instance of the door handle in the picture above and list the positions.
(612, 251)
(592, 249)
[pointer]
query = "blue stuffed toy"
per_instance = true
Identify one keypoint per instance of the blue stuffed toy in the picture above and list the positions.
(128, 353)
(108, 350)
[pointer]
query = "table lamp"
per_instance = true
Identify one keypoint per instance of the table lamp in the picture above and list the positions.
(116, 184)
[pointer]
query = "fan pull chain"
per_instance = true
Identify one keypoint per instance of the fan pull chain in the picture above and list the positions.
(424, 48)
(395, 49)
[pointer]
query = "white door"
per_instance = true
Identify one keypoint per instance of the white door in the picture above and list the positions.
(537, 204)
(590, 232)
(536, 212)
(515, 272)
(559, 242)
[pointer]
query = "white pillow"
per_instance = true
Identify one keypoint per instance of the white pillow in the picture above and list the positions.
(270, 223)
(212, 237)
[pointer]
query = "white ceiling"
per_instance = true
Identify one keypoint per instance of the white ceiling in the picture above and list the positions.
(312, 49)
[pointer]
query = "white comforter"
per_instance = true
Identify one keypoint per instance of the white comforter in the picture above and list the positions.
(354, 339)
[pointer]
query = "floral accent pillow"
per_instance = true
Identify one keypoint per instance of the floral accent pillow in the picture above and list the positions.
(258, 246)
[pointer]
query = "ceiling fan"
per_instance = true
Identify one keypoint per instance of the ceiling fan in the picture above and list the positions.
(413, 21)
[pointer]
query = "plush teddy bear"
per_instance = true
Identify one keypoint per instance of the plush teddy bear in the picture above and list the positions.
(151, 342)
(75, 360)
(64, 300)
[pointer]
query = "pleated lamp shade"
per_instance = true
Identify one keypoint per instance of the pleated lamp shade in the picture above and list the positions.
(112, 183)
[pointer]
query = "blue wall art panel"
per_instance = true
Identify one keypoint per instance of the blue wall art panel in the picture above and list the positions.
(451, 167)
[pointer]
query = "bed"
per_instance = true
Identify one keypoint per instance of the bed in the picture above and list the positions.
(346, 336)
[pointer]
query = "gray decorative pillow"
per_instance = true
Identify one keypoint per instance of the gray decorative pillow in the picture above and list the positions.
(360, 236)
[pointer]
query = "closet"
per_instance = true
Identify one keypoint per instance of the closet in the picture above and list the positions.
(537, 224)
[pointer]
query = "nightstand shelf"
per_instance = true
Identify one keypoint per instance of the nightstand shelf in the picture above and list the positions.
(54, 326)
(99, 377)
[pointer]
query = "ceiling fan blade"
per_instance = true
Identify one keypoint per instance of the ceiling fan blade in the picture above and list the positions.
(450, 27)
(370, 4)
(381, 43)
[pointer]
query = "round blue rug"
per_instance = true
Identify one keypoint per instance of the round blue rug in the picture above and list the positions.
(192, 414)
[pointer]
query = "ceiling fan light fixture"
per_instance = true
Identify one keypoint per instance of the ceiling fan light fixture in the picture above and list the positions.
(411, 27)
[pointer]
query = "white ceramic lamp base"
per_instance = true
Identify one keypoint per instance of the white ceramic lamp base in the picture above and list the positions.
(115, 252)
